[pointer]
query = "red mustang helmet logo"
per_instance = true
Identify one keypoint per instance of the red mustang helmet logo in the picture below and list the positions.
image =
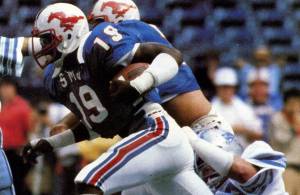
(65, 22)
(119, 9)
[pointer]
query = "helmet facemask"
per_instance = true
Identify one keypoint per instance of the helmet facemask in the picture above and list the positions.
(46, 52)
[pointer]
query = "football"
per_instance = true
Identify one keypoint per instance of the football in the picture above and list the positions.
(131, 71)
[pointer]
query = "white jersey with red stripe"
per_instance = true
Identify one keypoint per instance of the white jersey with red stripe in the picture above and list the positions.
(268, 180)
(160, 153)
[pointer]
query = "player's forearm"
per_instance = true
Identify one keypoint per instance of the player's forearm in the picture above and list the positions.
(68, 137)
(29, 44)
(241, 170)
(25, 50)
(69, 121)
(163, 67)
(156, 75)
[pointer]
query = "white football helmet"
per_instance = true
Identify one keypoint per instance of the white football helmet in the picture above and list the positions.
(223, 139)
(114, 11)
(60, 27)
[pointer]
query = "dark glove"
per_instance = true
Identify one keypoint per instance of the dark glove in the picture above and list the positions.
(31, 152)
(123, 91)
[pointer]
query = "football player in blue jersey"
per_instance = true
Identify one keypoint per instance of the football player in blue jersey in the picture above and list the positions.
(79, 74)
(180, 95)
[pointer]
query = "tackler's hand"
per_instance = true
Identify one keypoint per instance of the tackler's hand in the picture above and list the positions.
(123, 91)
(34, 149)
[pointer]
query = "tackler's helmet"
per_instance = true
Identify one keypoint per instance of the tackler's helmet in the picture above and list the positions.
(114, 11)
(60, 27)
(222, 139)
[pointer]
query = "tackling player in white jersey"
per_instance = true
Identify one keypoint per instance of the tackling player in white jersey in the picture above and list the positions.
(228, 169)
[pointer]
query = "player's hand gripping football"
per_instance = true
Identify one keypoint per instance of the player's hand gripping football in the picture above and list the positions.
(123, 91)
(34, 149)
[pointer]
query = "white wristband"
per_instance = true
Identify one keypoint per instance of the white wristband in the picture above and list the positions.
(163, 68)
(62, 139)
(143, 82)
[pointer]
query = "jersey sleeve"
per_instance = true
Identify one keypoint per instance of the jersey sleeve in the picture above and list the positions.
(11, 57)
(262, 155)
(48, 81)
(113, 45)
(271, 164)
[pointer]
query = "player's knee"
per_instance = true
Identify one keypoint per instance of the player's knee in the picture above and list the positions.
(84, 189)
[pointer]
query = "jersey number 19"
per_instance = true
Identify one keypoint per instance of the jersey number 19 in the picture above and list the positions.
(89, 101)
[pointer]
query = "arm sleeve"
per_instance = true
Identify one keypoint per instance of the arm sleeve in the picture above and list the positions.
(11, 57)
(272, 163)
(262, 155)
(95, 57)
(70, 136)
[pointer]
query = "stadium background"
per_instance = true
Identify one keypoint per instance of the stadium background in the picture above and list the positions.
(222, 33)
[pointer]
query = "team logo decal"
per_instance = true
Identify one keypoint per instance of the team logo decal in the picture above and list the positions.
(65, 22)
(119, 9)
(228, 137)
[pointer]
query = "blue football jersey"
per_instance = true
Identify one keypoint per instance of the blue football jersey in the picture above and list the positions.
(82, 83)
(122, 40)
(85, 91)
